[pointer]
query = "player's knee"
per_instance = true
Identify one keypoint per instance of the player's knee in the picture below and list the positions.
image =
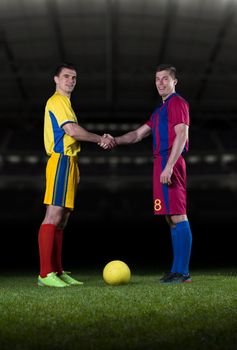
(175, 219)
(52, 218)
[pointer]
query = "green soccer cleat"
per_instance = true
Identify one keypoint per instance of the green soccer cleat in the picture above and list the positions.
(69, 280)
(51, 281)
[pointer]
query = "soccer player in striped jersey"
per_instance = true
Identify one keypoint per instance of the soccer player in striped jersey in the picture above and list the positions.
(62, 136)
(169, 126)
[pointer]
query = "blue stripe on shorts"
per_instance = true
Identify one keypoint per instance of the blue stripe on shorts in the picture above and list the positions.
(61, 181)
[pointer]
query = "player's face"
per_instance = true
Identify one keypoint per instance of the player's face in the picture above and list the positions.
(66, 81)
(165, 84)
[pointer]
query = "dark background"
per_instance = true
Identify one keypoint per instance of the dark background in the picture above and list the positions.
(117, 45)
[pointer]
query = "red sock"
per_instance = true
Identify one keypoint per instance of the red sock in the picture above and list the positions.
(46, 240)
(57, 251)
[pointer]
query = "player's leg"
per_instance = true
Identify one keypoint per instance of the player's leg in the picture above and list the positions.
(58, 242)
(174, 240)
(175, 247)
(62, 177)
(56, 172)
(182, 242)
(184, 235)
(57, 256)
(46, 240)
(183, 248)
(180, 229)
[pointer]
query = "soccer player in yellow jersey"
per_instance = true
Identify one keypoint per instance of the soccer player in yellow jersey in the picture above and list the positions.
(62, 136)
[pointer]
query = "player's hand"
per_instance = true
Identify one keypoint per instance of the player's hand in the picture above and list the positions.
(165, 176)
(107, 141)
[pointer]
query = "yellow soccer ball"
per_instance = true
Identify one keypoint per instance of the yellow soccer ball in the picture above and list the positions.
(116, 272)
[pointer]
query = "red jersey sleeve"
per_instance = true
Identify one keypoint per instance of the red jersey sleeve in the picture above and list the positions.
(178, 110)
(150, 122)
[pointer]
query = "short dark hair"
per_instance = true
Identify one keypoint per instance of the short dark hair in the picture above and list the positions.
(166, 66)
(64, 65)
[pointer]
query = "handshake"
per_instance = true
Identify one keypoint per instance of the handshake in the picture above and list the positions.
(107, 141)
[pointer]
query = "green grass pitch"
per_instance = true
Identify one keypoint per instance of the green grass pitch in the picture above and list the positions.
(141, 315)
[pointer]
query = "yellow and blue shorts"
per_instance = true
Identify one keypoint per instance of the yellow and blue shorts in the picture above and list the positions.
(62, 178)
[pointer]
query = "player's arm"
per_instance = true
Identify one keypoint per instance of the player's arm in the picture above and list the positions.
(79, 133)
(181, 131)
(133, 136)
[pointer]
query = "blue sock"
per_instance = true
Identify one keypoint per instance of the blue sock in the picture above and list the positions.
(175, 246)
(184, 238)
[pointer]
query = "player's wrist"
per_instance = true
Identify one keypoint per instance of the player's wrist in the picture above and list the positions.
(99, 140)
(169, 165)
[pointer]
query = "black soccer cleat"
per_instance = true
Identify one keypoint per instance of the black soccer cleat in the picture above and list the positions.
(175, 278)
(167, 277)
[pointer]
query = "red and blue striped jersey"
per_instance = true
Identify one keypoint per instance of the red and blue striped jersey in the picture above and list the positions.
(174, 110)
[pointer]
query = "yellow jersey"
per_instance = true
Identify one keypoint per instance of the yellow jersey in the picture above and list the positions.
(58, 112)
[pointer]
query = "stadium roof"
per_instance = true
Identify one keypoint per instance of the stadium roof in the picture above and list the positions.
(117, 45)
